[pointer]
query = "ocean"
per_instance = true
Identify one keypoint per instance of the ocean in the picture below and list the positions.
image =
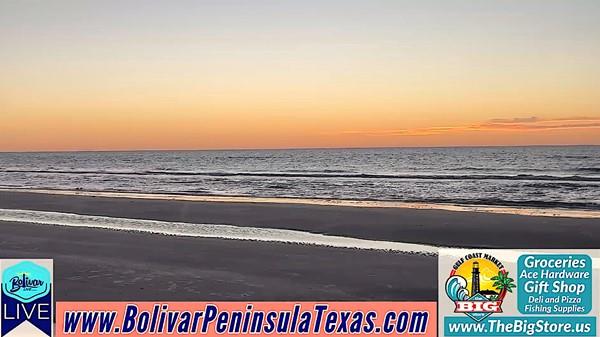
(540, 177)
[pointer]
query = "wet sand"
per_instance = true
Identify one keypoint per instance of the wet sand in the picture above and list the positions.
(437, 227)
(97, 264)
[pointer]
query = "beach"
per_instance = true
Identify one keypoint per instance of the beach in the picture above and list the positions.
(101, 264)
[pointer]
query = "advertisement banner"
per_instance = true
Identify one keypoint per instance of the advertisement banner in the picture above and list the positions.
(518, 293)
(246, 318)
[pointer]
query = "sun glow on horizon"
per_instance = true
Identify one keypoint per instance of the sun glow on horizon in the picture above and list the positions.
(108, 75)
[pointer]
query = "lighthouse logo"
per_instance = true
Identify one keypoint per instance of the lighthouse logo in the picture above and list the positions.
(478, 284)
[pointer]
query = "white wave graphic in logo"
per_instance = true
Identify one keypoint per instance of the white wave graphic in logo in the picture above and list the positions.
(456, 288)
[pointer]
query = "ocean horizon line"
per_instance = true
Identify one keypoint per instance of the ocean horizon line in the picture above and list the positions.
(241, 149)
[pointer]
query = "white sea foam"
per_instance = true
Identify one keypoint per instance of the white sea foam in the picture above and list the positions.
(545, 212)
(249, 233)
(209, 231)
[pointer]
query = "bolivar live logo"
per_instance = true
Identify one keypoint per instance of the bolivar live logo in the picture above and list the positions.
(477, 285)
(26, 298)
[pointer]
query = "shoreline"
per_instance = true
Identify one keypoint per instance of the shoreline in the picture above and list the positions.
(430, 227)
(100, 264)
(525, 211)
(92, 264)
(220, 231)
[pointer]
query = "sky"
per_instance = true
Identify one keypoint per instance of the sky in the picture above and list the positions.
(127, 75)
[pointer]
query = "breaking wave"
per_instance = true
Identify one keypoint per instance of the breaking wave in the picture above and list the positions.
(324, 174)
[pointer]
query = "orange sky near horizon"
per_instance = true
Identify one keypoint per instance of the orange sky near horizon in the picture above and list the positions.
(225, 75)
